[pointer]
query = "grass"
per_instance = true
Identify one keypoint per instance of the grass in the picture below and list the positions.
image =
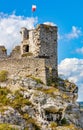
(3, 96)
(65, 96)
(27, 54)
(37, 80)
(53, 125)
(34, 123)
(68, 127)
(50, 90)
(19, 101)
(16, 103)
(7, 127)
(3, 75)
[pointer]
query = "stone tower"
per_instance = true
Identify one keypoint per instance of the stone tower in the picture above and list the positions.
(41, 42)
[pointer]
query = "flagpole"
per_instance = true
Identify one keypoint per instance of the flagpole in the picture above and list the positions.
(31, 13)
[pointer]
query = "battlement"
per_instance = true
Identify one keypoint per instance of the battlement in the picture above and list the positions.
(39, 44)
(3, 52)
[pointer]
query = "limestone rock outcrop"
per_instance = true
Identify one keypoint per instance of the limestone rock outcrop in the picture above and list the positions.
(27, 104)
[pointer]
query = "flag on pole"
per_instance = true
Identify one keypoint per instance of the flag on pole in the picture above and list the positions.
(33, 8)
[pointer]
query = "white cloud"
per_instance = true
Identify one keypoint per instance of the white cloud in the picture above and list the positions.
(50, 23)
(10, 26)
(74, 34)
(72, 69)
(79, 50)
(60, 37)
(80, 93)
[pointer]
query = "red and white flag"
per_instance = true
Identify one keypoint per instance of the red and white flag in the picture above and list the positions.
(34, 8)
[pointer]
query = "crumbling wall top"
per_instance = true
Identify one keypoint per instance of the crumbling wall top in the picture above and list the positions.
(46, 26)
(3, 52)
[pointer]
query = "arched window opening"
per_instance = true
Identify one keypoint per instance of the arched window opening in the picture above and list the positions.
(27, 48)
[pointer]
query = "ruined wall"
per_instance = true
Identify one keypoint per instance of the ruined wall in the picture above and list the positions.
(16, 52)
(41, 46)
(24, 67)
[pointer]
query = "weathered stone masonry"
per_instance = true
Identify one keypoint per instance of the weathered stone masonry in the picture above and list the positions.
(36, 56)
(24, 67)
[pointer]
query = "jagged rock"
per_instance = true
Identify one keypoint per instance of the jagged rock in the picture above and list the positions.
(11, 97)
(3, 85)
(12, 116)
(28, 109)
(73, 114)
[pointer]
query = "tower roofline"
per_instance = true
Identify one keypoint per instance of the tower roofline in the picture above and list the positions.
(46, 25)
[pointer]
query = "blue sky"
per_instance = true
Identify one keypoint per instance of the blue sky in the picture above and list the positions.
(66, 14)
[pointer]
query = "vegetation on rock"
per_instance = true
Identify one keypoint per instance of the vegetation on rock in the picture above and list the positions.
(7, 127)
(37, 108)
(3, 75)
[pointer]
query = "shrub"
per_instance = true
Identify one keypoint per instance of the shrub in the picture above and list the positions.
(52, 81)
(3, 75)
(47, 27)
(4, 49)
(64, 121)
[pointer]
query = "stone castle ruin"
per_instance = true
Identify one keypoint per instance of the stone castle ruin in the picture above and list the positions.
(36, 55)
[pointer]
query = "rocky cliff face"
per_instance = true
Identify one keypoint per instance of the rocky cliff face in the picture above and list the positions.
(27, 104)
